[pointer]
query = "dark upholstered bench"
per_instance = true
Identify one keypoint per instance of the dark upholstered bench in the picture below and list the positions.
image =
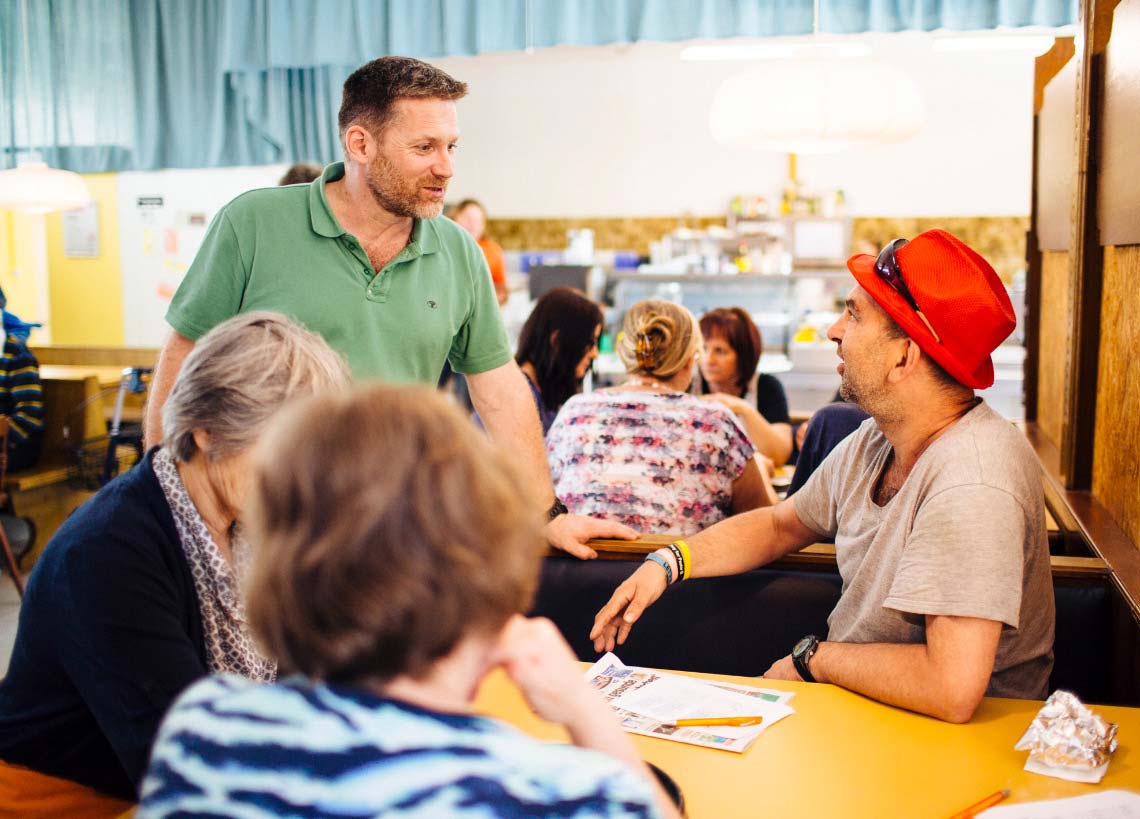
(740, 625)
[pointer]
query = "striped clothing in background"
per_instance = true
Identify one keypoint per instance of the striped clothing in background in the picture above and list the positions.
(22, 400)
(233, 747)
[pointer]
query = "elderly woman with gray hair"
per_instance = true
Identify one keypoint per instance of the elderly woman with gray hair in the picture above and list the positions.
(137, 595)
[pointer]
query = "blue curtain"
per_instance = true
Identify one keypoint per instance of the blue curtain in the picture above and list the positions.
(146, 84)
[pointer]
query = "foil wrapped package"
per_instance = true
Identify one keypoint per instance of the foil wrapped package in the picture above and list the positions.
(1067, 734)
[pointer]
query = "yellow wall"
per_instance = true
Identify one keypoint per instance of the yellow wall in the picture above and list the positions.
(18, 233)
(87, 294)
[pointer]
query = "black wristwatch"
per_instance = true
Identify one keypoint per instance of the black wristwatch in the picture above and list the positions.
(558, 508)
(802, 654)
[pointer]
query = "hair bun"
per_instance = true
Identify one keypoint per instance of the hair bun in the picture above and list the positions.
(654, 335)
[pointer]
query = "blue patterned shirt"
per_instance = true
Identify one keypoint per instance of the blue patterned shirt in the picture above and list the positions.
(233, 747)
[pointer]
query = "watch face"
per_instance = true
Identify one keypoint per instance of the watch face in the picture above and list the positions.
(802, 646)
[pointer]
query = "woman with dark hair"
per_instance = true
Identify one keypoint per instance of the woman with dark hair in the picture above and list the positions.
(728, 368)
(557, 345)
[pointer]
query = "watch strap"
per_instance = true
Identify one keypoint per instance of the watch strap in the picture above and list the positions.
(801, 659)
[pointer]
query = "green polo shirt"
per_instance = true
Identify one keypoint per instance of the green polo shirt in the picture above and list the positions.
(282, 249)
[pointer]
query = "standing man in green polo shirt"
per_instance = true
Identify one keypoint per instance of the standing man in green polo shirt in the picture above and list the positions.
(363, 257)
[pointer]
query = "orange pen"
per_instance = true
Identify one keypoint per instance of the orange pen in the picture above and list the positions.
(978, 807)
(739, 722)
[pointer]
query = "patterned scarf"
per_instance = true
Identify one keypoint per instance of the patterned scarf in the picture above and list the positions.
(229, 645)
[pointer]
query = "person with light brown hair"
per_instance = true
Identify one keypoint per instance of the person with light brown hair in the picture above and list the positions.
(363, 257)
(386, 596)
(646, 453)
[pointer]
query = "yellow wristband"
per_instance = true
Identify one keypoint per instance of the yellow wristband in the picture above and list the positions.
(684, 547)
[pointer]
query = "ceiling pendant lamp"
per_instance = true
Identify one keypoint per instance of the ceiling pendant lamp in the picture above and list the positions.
(816, 106)
(33, 187)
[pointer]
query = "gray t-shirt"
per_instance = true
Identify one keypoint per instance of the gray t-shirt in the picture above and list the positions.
(964, 536)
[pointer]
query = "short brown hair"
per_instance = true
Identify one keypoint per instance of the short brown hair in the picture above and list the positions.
(739, 331)
(371, 90)
(385, 529)
(301, 173)
(658, 338)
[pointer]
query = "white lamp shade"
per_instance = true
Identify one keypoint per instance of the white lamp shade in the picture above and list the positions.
(36, 188)
(816, 106)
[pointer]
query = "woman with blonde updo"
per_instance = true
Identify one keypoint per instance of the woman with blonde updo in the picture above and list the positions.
(646, 453)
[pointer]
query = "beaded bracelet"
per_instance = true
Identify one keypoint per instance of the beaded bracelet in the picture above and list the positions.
(664, 564)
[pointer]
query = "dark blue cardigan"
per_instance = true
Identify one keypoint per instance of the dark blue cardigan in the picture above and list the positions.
(109, 635)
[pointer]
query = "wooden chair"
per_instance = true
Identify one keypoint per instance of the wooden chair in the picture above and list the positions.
(9, 557)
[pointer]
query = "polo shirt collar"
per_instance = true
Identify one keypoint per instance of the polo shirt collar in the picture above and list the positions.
(324, 223)
(425, 238)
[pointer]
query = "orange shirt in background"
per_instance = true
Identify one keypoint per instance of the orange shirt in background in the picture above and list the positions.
(497, 261)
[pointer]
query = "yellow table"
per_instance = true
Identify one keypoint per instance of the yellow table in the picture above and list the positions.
(842, 755)
(107, 377)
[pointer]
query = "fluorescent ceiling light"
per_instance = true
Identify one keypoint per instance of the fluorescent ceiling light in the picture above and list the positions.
(774, 51)
(818, 106)
(1030, 44)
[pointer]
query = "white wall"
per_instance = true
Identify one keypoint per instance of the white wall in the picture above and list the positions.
(158, 243)
(623, 131)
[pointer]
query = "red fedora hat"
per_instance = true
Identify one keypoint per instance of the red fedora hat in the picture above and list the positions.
(958, 292)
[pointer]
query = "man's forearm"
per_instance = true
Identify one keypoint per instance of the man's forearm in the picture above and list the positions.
(166, 370)
(507, 410)
(749, 540)
(904, 675)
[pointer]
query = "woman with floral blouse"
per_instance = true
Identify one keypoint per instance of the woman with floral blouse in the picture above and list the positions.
(646, 453)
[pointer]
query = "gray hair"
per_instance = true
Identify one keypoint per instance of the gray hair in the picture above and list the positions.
(238, 375)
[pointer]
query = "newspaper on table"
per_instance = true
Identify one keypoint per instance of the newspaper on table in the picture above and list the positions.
(647, 700)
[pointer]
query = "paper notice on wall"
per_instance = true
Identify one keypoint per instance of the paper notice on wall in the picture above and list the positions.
(81, 232)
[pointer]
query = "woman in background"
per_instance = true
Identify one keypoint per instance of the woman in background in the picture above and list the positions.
(387, 595)
(471, 216)
(557, 345)
(646, 453)
(732, 350)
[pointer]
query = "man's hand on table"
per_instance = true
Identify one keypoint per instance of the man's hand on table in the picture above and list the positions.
(784, 669)
(570, 533)
(613, 623)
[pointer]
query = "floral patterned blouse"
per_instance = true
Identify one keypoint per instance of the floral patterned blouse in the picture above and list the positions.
(658, 462)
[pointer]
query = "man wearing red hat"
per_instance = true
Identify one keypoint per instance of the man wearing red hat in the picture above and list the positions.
(935, 504)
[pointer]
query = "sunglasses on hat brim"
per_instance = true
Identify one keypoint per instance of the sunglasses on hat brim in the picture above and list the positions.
(887, 268)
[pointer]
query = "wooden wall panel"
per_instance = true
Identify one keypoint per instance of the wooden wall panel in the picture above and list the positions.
(1056, 159)
(1054, 343)
(1116, 454)
(1118, 209)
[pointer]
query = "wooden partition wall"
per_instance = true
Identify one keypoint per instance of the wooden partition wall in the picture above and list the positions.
(1083, 402)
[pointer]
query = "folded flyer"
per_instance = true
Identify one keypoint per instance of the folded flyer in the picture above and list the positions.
(647, 700)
